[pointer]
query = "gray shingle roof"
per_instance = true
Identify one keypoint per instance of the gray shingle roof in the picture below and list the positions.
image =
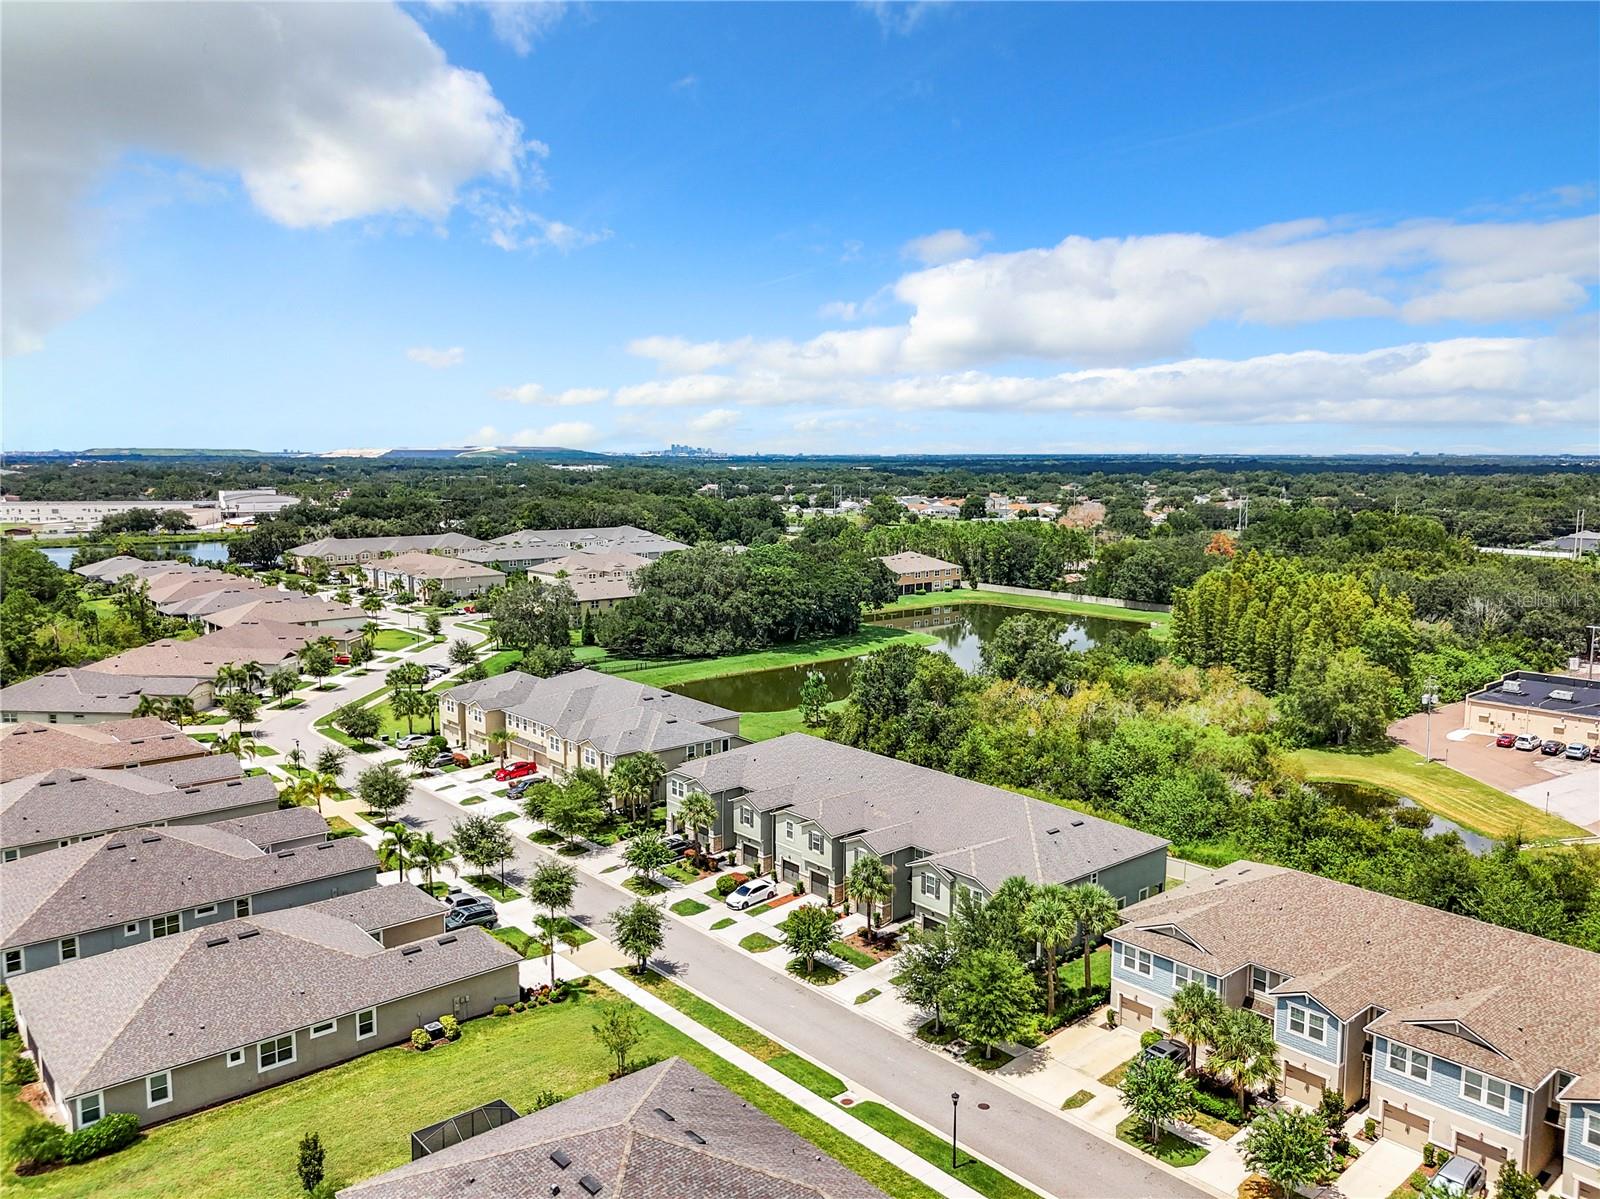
(907, 561)
(117, 1016)
(986, 833)
(616, 716)
(325, 547)
(91, 691)
(1534, 1000)
(378, 908)
(146, 872)
(62, 804)
(277, 827)
(714, 1146)
(264, 641)
(434, 566)
(111, 570)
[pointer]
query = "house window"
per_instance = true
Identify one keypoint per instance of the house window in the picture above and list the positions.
(930, 883)
(1262, 979)
(277, 1052)
(1094, 878)
(1481, 1089)
(1137, 960)
(158, 1089)
(90, 1109)
(165, 926)
(13, 961)
(209, 909)
(69, 948)
(814, 841)
(589, 758)
(1591, 1130)
(367, 1024)
(676, 789)
(1182, 975)
(235, 1057)
(788, 830)
(11, 855)
(1303, 1022)
(747, 817)
(241, 906)
(1405, 1060)
(130, 930)
(323, 1029)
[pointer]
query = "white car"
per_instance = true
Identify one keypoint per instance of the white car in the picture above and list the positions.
(411, 741)
(748, 895)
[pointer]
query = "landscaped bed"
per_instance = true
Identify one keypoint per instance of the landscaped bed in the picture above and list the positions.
(690, 907)
(494, 888)
(757, 943)
(1173, 1150)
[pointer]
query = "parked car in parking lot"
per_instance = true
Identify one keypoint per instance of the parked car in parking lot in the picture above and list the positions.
(748, 895)
(1577, 751)
(411, 741)
(480, 913)
(1506, 740)
(1526, 742)
(1552, 749)
(515, 770)
(1460, 1176)
(1168, 1049)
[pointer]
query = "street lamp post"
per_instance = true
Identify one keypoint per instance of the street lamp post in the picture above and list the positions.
(1430, 696)
(1592, 630)
(955, 1103)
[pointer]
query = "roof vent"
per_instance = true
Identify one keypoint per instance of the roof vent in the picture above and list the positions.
(694, 1136)
(232, 783)
(150, 840)
(666, 1115)
(1077, 824)
(47, 782)
(409, 950)
(1052, 832)
(250, 932)
(447, 940)
(77, 778)
(286, 853)
(215, 941)
(591, 1184)
(191, 790)
(1512, 686)
(117, 845)
(562, 1158)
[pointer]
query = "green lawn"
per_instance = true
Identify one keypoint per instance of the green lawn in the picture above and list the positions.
(494, 888)
(757, 943)
(1075, 1100)
(690, 907)
(664, 673)
(725, 922)
(566, 930)
(503, 817)
(388, 640)
(763, 726)
(1434, 786)
(644, 886)
(867, 996)
(1071, 972)
(1173, 1150)
(1040, 603)
(247, 1148)
(524, 942)
(820, 975)
(934, 1148)
(849, 953)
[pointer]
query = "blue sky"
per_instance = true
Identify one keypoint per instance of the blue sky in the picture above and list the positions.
(813, 228)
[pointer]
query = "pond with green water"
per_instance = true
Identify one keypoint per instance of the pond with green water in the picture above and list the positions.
(1366, 800)
(960, 629)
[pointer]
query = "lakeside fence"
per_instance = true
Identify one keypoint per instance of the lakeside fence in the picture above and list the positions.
(1131, 605)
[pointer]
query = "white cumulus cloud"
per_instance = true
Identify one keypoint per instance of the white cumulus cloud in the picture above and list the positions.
(946, 245)
(717, 420)
(437, 359)
(533, 393)
(322, 112)
(573, 434)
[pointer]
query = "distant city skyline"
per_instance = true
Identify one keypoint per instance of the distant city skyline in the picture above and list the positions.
(843, 229)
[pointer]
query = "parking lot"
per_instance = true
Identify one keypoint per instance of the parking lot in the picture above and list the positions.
(1571, 789)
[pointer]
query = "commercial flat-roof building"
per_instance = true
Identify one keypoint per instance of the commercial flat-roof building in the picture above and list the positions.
(1552, 707)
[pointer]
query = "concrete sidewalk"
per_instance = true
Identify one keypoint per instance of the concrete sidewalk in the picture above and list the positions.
(856, 1130)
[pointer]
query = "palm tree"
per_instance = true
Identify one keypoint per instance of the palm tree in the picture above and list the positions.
(149, 705)
(869, 885)
(252, 677)
(431, 854)
(498, 740)
(180, 710)
(1051, 920)
(1193, 1017)
(431, 590)
(228, 678)
(371, 604)
(317, 787)
(227, 745)
(394, 851)
(1094, 910)
(1244, 1049)
(697, 812)
(282, 682)
(634, 780)
(372, 628)
(248, 746)
(331, 763)
(296, 759)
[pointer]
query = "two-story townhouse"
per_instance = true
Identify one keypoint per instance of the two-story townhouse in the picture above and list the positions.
(806, 809)
(143, 884)
(414, 572)
(583, 719)
(33, 748)
(55, 808)
(527, 549)
(1580, 1105)
(916, 572)
(204, 1016)
(76, 696)
(1455, 1032)
(354, 551)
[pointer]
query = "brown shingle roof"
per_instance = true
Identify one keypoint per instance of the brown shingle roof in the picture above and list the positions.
(33, 748)
(665, 1132)
(1532, 999)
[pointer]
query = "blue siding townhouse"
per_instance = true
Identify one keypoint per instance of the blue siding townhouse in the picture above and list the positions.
(1478, 1039)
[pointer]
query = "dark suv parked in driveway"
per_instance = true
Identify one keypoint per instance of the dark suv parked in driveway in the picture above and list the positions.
(482, 912)
(1168, 1049)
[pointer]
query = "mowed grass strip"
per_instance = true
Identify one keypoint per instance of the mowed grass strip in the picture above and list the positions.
(1434, 786)
(366, 1110)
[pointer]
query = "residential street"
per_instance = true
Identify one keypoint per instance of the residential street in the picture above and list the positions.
(1048, 1151)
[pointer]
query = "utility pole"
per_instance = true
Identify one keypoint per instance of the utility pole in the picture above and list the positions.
(1592, 630)
(1430, 696)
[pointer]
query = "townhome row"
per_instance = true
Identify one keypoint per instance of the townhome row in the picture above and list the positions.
(519, 551)
(583, 719)
(807, 809)
(1476, 1038)
(33, 747)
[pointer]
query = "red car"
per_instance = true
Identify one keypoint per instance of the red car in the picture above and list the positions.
(1506, 740)
(341, 659)
(515, 770)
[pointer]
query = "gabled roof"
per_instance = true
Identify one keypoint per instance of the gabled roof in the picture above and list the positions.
(434, 566)
(616, 716)
(67, 804)
(325, 547)
(664, 1132)
(112, 1017)
(592, 562)
(285, 609)
(268, 830)
(378, 908)
(31, 747)
(986, 833)
(1525, 1005)
(910, 560)
(91, 692)
(266, 642)
(111, 570)
(144, 872)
